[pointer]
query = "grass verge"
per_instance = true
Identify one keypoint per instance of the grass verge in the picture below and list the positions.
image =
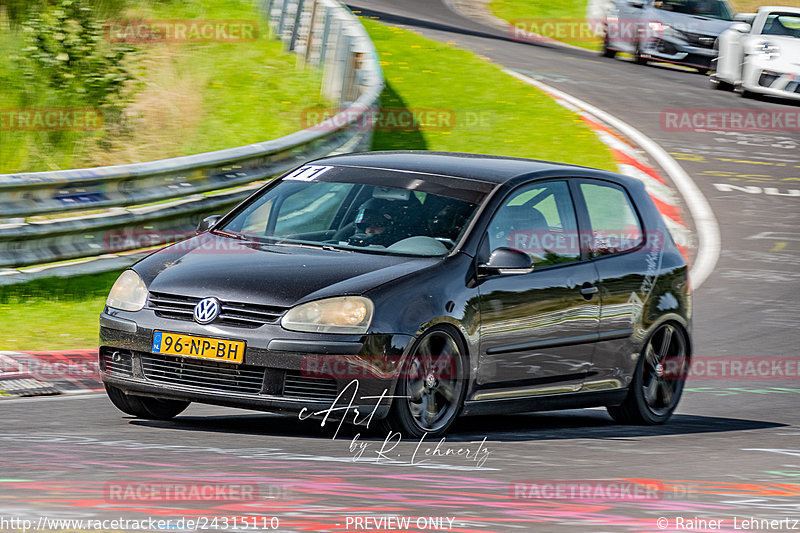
(533, 15)
(53, 313)
(490, 111)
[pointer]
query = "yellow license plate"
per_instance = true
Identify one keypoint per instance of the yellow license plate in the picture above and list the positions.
(203, 347)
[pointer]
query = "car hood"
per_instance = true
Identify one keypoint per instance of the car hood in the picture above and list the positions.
(691, 23)
(211, 265)
(788, 61)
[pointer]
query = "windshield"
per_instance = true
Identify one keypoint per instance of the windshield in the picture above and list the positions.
(715, 9)
(787, 24)
(355, 217)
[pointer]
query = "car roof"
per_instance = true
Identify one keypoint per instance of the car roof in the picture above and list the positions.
(477, 167)
(783, 9)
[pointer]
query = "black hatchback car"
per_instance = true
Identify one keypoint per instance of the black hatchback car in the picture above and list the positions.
(413, 287)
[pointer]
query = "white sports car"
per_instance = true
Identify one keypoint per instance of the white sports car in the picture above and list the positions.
(762, 57)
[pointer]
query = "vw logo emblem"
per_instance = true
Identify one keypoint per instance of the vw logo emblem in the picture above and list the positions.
(206, 310)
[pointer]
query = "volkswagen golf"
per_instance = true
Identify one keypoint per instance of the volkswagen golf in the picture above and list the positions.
(413, 287)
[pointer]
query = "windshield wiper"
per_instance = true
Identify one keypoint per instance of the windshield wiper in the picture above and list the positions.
(231, 234)
(328, 247)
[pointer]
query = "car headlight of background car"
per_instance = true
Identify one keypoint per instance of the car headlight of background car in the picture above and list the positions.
(345, 314)
(128, 293)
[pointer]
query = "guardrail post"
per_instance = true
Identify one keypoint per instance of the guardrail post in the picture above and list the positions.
(331, 82)
(348, 72)
(296, 28)
(282, 19)
(326, 35)
(267, 6)
(310, 37)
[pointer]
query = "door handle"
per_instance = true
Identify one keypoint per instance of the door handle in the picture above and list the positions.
(589, 290)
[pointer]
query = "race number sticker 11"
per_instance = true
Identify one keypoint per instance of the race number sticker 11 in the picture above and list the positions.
(307, 173)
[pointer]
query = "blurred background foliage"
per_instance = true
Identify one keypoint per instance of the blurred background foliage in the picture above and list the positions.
(157, 99)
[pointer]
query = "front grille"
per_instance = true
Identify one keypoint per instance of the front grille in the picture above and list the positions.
(236, 314)
(116, 362)
(767, 78)
(698, 39)
(667, 48)
(210, 375)
(297, 386)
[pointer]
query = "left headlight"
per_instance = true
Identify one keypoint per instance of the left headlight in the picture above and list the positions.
(345, 314)
(128, 293)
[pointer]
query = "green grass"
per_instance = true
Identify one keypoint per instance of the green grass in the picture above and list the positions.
(194, 97)
(53, 313)
(533, 14)
(494, 113)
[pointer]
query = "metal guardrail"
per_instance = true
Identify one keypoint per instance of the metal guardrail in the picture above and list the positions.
(323, 33)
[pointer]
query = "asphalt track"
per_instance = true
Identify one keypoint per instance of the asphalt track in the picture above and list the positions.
(731, 452)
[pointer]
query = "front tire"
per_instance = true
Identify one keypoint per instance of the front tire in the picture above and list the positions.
(658, 381)
(143, 407)
(431, 387)
(607, 51)
(721, 85)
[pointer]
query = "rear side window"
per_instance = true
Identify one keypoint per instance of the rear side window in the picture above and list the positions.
(615, 227)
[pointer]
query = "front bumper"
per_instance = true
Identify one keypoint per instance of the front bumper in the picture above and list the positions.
(282, 371)
(672, 50)
(773, 82)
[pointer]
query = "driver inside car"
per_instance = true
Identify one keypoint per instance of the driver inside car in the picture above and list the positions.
(375, 223)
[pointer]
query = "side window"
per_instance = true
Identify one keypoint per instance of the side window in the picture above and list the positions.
(615, 226)
(538, 219)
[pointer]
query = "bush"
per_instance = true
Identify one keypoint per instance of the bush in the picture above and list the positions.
(66, 52)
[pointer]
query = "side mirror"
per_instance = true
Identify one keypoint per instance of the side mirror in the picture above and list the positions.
(741, 27)
(506, 261)
(207, 223)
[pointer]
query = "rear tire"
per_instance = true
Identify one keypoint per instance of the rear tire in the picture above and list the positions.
(431, 386)
(638, 57)
(607, 51)
(143, 407)
(658, 380)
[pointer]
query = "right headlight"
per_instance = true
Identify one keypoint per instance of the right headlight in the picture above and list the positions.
(344, 314)
(128, 293)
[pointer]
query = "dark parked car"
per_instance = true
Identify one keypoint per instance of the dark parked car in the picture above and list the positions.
(417, 286)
